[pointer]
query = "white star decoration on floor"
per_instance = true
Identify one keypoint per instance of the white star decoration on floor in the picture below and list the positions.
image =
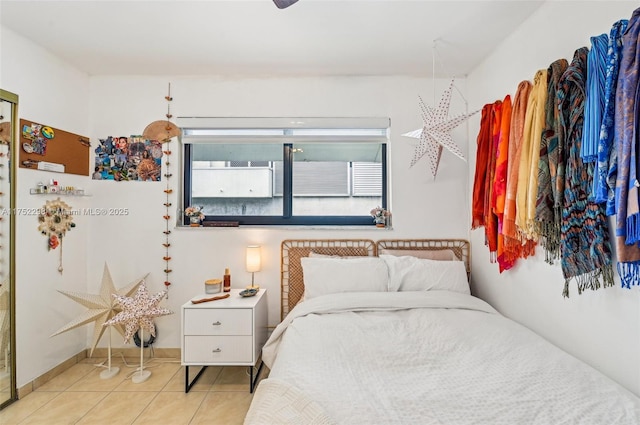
(138, 311)
(101, 307)
(434, 134)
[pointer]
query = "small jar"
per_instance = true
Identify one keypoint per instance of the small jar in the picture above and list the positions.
(212, 286)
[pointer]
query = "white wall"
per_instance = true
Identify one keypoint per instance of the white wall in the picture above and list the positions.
(600, 327)
(52, 93)
(132, 245)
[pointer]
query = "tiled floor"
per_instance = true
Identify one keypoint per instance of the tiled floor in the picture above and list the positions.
(80, 396)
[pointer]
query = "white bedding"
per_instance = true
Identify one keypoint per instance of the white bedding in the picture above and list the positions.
(434, 357)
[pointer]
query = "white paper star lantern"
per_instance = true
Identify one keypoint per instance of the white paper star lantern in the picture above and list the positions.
(102, 307)
(138, 311)
(435, 133)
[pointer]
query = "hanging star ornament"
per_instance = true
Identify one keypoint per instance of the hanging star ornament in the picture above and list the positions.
(138, 311)
(435, 133)
(102, 307)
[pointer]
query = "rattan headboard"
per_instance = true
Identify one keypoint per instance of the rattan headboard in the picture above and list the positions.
(459, 247)
(292, 282)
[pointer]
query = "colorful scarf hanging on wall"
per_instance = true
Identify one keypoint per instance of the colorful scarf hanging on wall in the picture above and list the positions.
(585, 249)
(607, 167)
(491, 220)
(528, 173)
(514, 247)
(500, 178)
(625, 130)
(551, 168)
(594, 101)
(482, 160)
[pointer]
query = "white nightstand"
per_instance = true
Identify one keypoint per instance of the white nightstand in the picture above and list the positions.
(227, 332)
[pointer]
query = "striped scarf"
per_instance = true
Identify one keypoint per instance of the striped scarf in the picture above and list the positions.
(585, 249)
(551, 168)
(625, 130)
(605, 178)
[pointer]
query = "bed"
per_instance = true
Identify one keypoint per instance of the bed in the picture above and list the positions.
(387, 333)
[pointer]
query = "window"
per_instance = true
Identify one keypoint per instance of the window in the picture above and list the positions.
(285, 171)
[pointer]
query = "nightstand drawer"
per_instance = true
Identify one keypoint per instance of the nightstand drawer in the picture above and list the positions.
(218, 349)
(230, 321)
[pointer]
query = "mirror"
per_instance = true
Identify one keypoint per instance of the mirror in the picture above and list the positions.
(8, 122)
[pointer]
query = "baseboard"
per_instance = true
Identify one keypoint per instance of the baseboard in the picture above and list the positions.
(128, 353)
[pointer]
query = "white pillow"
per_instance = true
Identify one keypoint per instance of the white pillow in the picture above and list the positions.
(408, 273)
(331, 275)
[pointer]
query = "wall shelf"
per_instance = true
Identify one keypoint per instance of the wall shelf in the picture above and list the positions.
(74, 192)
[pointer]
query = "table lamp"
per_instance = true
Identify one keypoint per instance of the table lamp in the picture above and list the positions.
(253, 263)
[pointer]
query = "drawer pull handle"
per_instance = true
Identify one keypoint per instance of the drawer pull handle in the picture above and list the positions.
(216, 323)
(217, 350)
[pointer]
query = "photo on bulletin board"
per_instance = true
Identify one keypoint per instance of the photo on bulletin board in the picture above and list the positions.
(131, 158)
(43, 147)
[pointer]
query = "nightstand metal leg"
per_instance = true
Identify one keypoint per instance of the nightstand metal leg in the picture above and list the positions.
(253, 380)
(187, 384)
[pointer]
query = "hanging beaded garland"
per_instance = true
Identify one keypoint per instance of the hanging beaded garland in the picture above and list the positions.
(164, 131)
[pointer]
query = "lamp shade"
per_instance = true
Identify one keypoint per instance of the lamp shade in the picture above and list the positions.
(253, 258)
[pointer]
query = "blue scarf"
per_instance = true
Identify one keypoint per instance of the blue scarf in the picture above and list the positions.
(625, 128)
(594, 102)
(607, 167)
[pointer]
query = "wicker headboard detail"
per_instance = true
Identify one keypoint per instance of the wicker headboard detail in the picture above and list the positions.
(459, 247)
(292, 283)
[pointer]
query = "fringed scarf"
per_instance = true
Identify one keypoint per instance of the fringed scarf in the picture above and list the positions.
(605, 178)
(594, 102)
(482, 160)
(513, 245)
(500, 178)
(585, 249)
(551, 169)
(625, 130)
(528, 172)
(491, 220)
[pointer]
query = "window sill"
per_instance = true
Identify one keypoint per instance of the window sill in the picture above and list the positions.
(284, 227)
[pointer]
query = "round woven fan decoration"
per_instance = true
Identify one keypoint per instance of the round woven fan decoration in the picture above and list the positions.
(161, 130)
(5, 133)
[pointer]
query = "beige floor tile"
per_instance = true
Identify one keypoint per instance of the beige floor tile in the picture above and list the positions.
(161, 374)
(232, 378)
(93, 382)
(223, 408)
(118, 408)
(204, 383)
(67, 378)
(19, 410)
(174, 408)
(67, 408)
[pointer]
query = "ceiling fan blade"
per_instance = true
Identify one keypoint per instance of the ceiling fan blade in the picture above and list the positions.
(283, 4)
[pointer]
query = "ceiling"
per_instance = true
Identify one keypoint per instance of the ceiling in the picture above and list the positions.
(254, 38)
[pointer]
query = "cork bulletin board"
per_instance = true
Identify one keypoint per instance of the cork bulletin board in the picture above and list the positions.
(42, 143)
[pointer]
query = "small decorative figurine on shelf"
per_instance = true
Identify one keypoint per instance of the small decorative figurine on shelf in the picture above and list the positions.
(195, 215)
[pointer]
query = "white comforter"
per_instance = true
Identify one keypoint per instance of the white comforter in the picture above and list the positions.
(432, 357)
